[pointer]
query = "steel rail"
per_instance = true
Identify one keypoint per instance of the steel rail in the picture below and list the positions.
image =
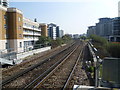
(9, 79)
(52, 71)
(35, 81)
(72, 71)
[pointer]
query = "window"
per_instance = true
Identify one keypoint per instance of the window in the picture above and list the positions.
(19, 19)
(5, 26)
(20, 44)
(0, 2)
(19, 27)
(5, 4)
(6, 45)
(5, 17)
(6, 35)
(20, 35)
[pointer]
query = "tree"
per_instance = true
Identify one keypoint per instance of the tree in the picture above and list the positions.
(83, 37)
(43, 41)
(98, 39)
(66, 38)
(113, 49)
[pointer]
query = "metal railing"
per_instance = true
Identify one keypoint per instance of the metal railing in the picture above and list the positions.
(11, 53)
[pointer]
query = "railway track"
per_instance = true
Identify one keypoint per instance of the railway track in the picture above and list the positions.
(58, 75)
(79, 76)
(7, 72)
(10, 82)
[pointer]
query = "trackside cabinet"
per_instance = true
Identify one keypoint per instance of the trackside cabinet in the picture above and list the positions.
(111, 72)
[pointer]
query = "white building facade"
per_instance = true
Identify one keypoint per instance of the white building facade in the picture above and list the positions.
(31, 33)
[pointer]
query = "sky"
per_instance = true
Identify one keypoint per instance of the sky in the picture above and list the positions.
(73, 16)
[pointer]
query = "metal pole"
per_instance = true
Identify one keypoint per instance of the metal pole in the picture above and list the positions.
(96, 72)
(33, 36)
(96, 76)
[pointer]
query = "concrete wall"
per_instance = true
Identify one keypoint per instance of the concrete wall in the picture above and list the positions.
(25, 54)
(3, 44)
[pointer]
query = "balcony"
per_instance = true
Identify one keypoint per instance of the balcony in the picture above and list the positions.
(30, 28)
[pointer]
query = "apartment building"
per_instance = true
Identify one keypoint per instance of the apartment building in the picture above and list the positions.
(17, 33)
(52, 30)
(103, 28)
(31, 33)
(116, 30)
(61, 33)
(75, 36)
(57, 32)
(3, 26)
(44, 31)
(108, 28)
(15, 29)
(91, 30)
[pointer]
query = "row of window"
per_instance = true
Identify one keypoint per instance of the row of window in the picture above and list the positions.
(31, 32)
(27, 43)
(5, 26)
(25, 36)
(5, 17)
(31, 26)
(30, 37)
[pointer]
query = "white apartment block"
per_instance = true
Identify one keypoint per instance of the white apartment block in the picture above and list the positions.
(31, 33)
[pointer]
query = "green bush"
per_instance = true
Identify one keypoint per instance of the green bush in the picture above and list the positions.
(54, 43)
(106, 48)
(97, 39)
(66, 38)
(113, 49)
(90, 69)
(57, 42)
(43, 40)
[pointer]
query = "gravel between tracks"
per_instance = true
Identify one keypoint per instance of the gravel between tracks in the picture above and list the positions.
(29, 61)
(21, 81)
(79, 77)
(59, 77)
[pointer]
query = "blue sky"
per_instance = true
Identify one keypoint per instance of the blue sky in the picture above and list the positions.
(72, 17)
